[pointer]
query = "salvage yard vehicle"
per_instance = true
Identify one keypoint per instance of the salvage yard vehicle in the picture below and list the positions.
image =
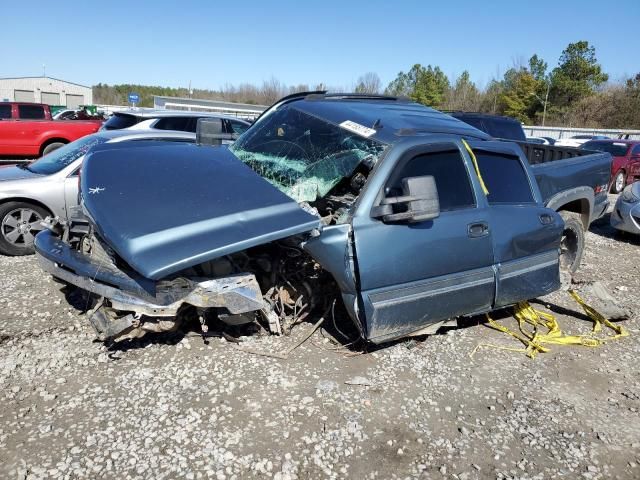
(578, 140)
(626, 212)
(412, 216)
(625, 168)
(49, 187)
(179, 120)
(27, 130)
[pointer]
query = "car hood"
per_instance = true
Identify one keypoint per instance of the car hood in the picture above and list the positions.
(164, 208)
(12, 172)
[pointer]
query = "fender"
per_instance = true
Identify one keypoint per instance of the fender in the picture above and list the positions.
(577, 194)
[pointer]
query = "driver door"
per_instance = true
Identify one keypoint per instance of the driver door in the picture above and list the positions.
(415, 274)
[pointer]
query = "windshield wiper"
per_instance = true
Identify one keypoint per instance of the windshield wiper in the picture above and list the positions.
(24, 166)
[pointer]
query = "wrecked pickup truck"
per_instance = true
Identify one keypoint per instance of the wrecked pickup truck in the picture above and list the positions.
(411, 216)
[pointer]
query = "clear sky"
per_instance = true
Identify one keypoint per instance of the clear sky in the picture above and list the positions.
(169, 43)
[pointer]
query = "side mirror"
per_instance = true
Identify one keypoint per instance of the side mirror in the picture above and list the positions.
(210, 131)
(419, 202)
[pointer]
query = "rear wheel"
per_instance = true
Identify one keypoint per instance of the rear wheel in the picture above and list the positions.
(19, 223)
(51, 147)
(572, 243)
(618, 182)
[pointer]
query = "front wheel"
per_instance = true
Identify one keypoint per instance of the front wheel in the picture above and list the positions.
(618, 182)
(19, 223)
(572, 243)
(51, 147)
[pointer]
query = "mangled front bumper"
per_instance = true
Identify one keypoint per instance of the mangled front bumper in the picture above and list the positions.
(140, 296)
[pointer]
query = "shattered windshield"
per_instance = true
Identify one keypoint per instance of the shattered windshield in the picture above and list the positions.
(302, 155)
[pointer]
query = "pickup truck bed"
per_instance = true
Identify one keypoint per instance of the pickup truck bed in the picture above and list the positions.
(566, 175)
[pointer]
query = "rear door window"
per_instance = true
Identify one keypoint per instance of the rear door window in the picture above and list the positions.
(119, 121)
(505, 178)
(5, 112)
(31, 112)
(181, 124)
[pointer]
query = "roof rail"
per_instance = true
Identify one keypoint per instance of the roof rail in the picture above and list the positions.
(367, 96)
(475, 113)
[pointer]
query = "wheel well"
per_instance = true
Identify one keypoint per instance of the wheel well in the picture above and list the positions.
(27, 200)
(578, 206)
(50, 141)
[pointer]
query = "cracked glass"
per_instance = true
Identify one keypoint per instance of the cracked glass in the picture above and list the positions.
(303, 155)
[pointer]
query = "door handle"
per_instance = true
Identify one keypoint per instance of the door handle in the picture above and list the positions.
(480, 229)
(546, 219)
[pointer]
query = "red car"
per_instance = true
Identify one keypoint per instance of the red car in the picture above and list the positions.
(27, 130)
(625, 168)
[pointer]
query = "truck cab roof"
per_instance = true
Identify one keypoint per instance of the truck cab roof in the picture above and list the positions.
(383, 118)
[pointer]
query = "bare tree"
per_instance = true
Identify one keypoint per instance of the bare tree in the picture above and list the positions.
(368, 83)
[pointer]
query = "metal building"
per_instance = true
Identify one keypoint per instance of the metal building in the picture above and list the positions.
(51, 91)
(243, 110)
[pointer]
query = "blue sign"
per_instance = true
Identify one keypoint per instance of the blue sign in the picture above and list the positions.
(134, 98)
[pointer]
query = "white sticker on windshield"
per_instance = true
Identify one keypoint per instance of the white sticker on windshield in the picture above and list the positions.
(357, 128)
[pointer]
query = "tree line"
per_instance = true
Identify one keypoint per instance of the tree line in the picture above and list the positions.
(576, 92)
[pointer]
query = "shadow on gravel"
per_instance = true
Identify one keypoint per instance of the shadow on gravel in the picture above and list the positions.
(79, 299)
(342, 334)
(557, 309)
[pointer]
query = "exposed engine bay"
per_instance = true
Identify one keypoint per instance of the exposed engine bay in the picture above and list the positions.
(275, 286)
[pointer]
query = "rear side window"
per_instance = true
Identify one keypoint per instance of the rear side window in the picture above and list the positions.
(5, 112)
(181, 124)
(449, 172)
(505, 178)
(636, 150)
(32, 112)
(237, 128)
(119, 121)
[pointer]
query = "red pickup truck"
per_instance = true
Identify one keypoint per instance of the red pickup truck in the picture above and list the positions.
(27, 130)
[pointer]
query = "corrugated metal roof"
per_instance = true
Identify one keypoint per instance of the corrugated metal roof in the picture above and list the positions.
(44, 78)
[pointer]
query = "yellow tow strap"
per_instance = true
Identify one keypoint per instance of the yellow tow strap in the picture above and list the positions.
(534, 340)
(475, 164)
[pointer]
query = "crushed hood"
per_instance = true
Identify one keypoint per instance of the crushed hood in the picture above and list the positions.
(167, 207)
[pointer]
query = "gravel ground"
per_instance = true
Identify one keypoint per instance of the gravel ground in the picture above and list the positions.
(426, 408)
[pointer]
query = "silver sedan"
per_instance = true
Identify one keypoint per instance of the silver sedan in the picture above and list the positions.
(49, 186)
(626, 213)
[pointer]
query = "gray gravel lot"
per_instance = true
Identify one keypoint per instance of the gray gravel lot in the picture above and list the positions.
(172, 407)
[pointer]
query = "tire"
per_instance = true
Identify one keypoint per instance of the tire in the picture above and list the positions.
(19, 223)
(51, 147)
(619, 182)
(572, 244)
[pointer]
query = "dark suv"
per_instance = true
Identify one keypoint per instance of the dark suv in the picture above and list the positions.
(178, 120)
(495, 125)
